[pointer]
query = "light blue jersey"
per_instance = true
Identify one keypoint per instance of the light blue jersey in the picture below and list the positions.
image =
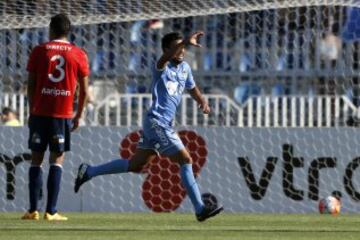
(167, 88)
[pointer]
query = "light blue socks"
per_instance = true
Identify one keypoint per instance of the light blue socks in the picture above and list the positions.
(188, 180)
(115, 166)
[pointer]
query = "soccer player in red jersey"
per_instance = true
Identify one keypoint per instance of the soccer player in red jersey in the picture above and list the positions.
(54, 69)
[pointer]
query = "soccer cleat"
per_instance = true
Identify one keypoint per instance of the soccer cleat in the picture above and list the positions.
(208, 212)
(81, 177)
(54, 217)
(31, 216)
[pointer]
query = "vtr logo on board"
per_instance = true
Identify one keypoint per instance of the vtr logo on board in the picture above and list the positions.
(290, 162)
(162, 190)
(10, 164)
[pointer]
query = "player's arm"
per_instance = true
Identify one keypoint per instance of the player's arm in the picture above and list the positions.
(197, 96)
(83, 80)
(176, 49)
(82, 97)
(32, 70)
(31, 87)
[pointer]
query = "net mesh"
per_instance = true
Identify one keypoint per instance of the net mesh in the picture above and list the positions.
(31, 14)
(249, 170)
(306, 48)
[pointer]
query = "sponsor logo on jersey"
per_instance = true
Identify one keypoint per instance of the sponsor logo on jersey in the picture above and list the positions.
(172, 87)
(58, 47)
(55, 92)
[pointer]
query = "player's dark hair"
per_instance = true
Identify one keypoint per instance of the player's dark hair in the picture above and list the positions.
(169, 38)
(7, 110)
(60, 25)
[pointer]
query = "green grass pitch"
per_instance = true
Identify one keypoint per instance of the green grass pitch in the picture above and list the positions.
(151, 226)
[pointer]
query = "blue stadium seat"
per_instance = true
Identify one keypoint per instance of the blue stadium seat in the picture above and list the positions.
(278, 89)
(351, 31)
(141, 89)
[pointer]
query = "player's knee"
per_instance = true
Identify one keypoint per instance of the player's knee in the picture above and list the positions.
(135, 166)
(185, 160)
(36, 162)
(37, 158)
(56, 158)
(140, 158)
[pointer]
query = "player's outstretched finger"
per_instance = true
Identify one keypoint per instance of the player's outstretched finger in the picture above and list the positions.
(198, 34)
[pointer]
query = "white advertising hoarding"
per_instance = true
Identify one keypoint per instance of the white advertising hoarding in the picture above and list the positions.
(249, 170)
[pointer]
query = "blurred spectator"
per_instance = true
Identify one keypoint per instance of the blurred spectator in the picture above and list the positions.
(330, 47)
(9, 118)
(244, 91)
(131, 86)
(135, 31)
(155, 24)
(281, 63)
(331, 43)
(143, 34)
(245, 62)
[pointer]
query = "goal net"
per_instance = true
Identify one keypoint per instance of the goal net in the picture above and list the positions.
(31, 14)
(282, 78)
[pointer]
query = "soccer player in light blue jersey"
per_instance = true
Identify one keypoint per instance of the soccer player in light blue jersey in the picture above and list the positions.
(171, 76)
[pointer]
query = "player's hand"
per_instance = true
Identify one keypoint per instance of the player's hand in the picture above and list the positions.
(205, 107)
(75, 123)
(194, 38)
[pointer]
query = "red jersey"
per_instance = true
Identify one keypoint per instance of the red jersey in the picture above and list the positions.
(57, 66)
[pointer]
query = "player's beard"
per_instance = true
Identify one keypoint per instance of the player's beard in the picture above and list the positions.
(177, 60)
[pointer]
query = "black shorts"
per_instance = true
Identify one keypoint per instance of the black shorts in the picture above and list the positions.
(51, 131)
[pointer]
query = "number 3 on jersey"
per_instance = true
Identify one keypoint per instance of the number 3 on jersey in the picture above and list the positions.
(58, 67)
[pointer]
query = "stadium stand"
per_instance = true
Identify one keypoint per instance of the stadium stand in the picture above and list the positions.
(259, 50)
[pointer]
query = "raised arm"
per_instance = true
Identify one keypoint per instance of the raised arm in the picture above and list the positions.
(176, 49)
(197, 96)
